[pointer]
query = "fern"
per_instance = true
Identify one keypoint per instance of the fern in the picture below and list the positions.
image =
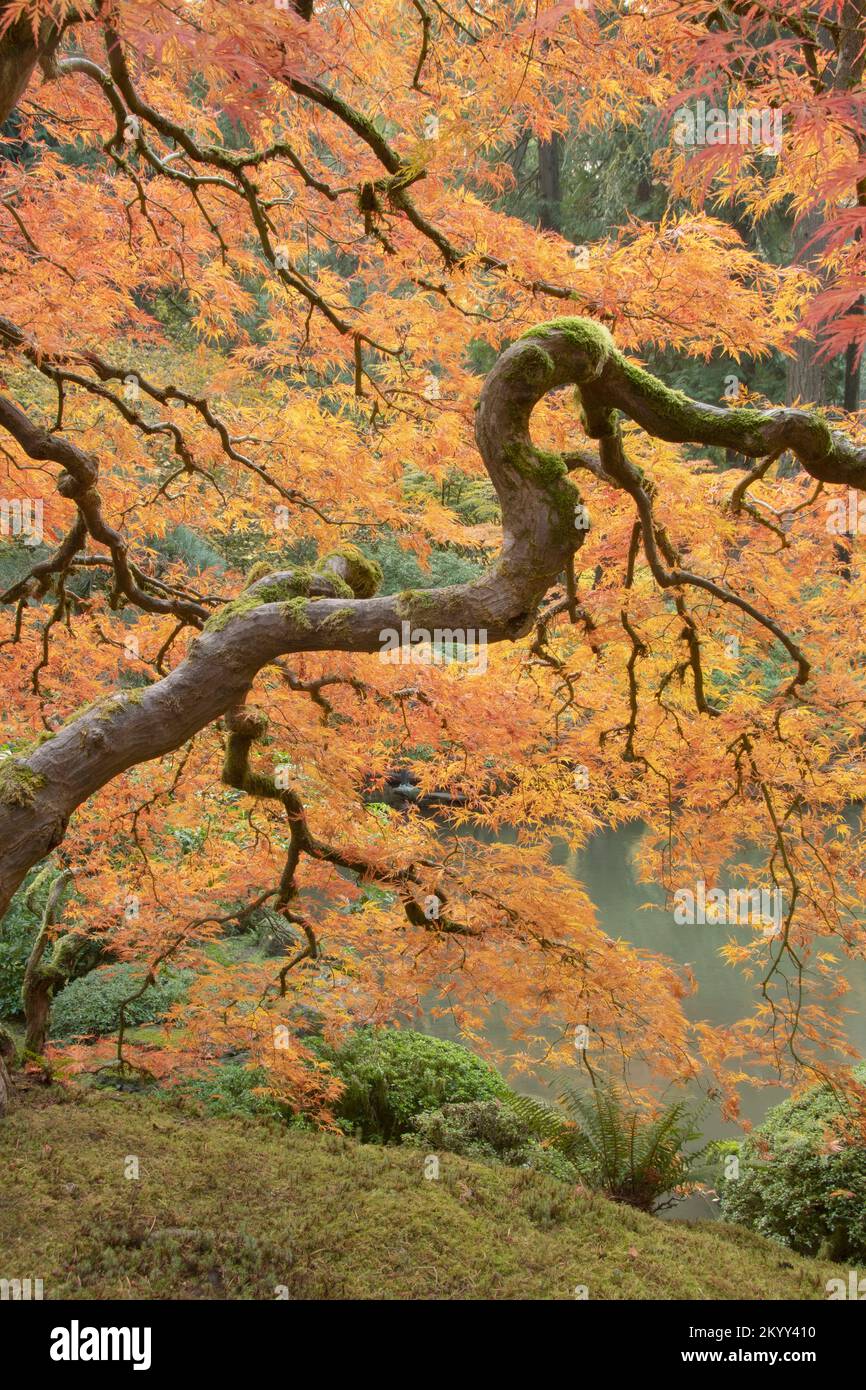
(632, 1158)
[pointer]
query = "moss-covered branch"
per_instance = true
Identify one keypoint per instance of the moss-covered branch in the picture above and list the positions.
(335, 605)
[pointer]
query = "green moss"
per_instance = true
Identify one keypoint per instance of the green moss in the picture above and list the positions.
(550, 472)
(236, 760)
(341, 588)
(599, 421)
(337, 619)
(65, 953)
(237, 771)
(258, 571)
(365, 575)
(298, 585)
(539, 464)
(276, 592)
(115, 703)
(565, 498)
(687, 416)
(592, 338)
(367, 201)
(296, 611)
(819, 419)
(106, 707)
(413, 602)
(259, 784)
(532, 365)
(238, 606)
(362, 122)
(203, 1219)
(284, 588)
(18, 783)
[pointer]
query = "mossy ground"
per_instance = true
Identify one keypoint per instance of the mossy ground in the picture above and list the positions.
(231, 1209)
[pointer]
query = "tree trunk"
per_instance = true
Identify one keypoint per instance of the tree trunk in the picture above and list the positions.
(550, 183)
(806, 379)
(853, 366)
(37, 1008)
(849, 78)
(41, 980)
(20, 51)
(7, 1052)
(852, 372)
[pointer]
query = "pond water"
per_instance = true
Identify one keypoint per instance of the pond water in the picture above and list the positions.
(605, 868)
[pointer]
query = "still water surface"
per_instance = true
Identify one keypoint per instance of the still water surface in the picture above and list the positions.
(605, 869)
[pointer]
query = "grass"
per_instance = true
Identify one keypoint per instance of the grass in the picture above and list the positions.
(233, 1209)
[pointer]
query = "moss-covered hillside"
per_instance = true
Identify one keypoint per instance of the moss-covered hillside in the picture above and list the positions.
(224, 1208)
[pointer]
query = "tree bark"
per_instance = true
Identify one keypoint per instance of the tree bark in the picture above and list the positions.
(853, 366)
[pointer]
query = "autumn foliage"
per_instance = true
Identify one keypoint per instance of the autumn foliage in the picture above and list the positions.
(255, 271)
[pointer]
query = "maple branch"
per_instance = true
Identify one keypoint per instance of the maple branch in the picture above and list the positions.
(655, 541)
(825, 453)
(236, 166)
(401, 175)
(56, 367)
(273, 617)
(77, 482)
(245, 728)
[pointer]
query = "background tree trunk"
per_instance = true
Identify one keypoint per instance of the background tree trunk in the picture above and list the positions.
(806, 379)
(42, 980)
(7, 1052)
(550, 183)
(19, 54)
(853, 366)
(38, 1012)
(852, 372)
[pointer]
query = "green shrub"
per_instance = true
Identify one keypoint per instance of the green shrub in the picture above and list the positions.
(391, 1075)
(91, 1004)
(810, 1199)
(475, 1129)
(232, 1089)
(551, 1161)
(15, 946)
(17, 933)
(401, 569)
(486, 1129)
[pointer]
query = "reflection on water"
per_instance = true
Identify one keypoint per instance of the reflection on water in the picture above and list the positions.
(723, 995)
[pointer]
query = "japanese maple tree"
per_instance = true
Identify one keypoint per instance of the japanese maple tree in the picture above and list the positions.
(256, 291)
